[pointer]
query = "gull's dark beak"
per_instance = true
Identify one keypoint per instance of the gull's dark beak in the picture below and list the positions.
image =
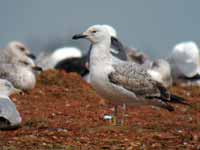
(37, 68)
(79, 36)
(32, 56)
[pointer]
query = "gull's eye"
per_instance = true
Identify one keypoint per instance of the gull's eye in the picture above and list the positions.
(24, 62)
(94, 31)
(22, 49)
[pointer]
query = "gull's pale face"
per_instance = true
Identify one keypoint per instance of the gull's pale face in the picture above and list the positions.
(20, 50)
(95, 34)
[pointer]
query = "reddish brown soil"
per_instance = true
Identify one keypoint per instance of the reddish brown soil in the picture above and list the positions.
(64, 112)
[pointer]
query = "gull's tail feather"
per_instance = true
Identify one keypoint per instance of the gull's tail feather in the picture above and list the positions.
(171, 98)
(162, 104)
(175, 99)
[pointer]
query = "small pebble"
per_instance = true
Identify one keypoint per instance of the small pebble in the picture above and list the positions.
(185, 143)
(107, 117)
(180, 131)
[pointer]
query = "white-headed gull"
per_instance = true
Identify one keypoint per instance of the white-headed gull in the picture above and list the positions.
(122, 82)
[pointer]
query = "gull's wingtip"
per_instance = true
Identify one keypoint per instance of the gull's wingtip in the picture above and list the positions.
(178, 100)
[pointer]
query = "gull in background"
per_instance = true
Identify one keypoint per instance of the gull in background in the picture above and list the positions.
(69, 59)
(185, 60)
(160, 71)
(122, 82)
(49, 61)
(9, 116)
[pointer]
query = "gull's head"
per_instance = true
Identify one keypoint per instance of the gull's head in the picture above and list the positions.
(111, 30)
(19, 50)
(162, 66)
(6, 88)
(95, 34)
(160, 71)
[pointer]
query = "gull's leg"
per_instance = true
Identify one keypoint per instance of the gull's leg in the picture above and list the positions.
(115, 121)
(123, 114)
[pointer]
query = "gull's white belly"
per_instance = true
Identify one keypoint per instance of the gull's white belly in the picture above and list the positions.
(26, 79)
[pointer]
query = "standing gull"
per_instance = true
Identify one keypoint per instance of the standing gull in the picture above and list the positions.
(9, 116)
(122, 82)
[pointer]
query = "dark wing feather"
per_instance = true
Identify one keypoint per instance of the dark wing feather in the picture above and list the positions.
(119, 47)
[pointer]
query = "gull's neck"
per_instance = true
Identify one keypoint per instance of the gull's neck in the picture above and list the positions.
(100, 53)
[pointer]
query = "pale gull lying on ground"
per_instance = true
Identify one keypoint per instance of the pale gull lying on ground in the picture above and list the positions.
(122, 82)
(9, 116)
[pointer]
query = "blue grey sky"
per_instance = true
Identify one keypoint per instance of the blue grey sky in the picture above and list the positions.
(153, 26)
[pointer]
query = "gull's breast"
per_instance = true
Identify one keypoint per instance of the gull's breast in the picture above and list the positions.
(106, 89)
